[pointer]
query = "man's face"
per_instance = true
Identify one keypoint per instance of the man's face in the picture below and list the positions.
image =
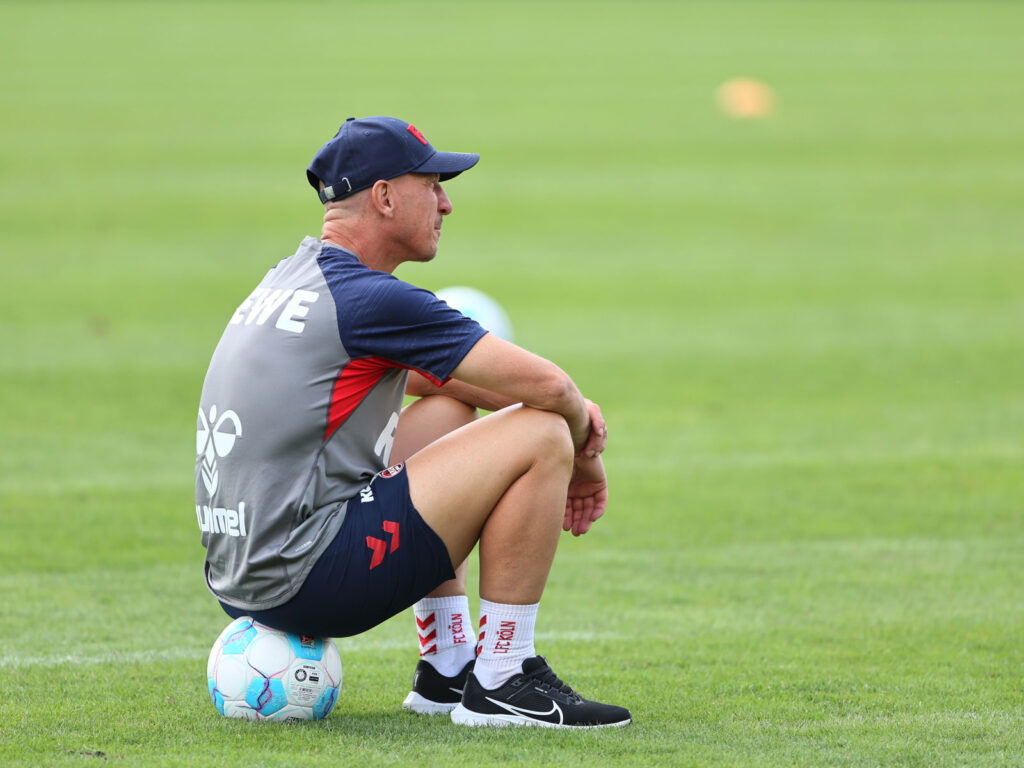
(420, 205)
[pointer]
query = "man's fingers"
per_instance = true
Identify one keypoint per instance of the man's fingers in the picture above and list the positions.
(598, 437)
(571, 514)
(594, 446)
(582, 515)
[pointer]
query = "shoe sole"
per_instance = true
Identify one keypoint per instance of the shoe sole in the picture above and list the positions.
(419, 705)
(463, 716)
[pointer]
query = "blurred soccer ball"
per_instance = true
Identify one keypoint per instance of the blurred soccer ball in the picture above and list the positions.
(258, 673)
(478, 306)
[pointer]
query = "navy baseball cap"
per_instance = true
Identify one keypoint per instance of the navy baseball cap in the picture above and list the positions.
(366, 150)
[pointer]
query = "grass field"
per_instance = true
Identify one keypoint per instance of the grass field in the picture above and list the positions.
(807, 333)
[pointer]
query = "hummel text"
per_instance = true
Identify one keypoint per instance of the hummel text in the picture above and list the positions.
(221, 520)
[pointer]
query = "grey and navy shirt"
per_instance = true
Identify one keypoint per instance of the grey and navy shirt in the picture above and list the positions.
(299, 410)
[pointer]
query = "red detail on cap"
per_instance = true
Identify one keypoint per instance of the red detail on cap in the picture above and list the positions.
(483, 620)
(428, 638)
(426, 622)
(378, 547)
(478, 649)
(430, 650)
(416, 132)
(392, 528)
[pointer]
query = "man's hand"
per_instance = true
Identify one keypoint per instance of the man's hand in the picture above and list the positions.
(598, 438)
(588, 495)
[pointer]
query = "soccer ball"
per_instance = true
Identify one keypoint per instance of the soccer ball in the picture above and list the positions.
(259, 673)
(478, 306)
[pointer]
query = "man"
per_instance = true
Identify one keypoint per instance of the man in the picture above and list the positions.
(304, 527)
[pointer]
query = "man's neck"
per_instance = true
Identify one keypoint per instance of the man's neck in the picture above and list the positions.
(365, 252)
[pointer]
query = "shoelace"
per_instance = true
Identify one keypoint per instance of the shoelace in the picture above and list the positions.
(547, 677)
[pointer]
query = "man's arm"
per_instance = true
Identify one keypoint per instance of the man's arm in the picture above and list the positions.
(496, 369)
(420, 386)
(518, 376)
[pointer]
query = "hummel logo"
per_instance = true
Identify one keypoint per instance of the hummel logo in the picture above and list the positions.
(215, 437)
(548, 717)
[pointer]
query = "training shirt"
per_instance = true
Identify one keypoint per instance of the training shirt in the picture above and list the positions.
(299, 409)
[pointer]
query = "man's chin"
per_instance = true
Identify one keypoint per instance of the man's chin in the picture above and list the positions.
(425, 257)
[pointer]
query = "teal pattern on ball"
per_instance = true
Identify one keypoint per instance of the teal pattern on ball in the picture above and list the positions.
(326, 703)
(240, 637)
(266, 695)
(218, 700)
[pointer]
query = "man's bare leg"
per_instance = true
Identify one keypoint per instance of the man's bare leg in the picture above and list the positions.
(533, 482)
(447, 641)
(421, 423)
(501, 480)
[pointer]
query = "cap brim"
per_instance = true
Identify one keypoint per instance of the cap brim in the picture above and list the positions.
(448, 165)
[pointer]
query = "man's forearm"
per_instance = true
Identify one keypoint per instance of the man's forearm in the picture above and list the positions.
(478, 397)
(516, 375)
(566, 401)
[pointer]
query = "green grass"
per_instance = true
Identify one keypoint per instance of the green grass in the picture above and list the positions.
(806, 333)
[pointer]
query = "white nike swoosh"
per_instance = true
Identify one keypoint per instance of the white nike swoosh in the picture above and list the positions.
(455, 690)
(520, 711)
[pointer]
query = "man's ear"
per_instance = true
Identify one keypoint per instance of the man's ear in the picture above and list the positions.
(382, 197)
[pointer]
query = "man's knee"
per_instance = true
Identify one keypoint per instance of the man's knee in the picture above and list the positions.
(550, 433)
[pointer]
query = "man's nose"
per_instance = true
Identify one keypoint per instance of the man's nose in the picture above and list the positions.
(444, 203)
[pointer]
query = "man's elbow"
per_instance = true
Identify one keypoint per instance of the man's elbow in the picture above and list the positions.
(557, 392)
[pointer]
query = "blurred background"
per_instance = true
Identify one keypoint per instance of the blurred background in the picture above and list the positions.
(862, 237)
(779, 242)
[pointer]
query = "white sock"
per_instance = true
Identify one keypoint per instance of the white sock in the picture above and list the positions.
(506, 639)
(445, 632)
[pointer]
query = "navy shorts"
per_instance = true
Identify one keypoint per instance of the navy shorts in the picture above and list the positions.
(384, 559)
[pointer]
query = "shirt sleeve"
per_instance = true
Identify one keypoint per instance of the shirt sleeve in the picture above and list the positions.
(407, 326)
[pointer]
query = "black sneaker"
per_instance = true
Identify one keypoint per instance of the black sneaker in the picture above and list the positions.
(534, 697)
(432, 693)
